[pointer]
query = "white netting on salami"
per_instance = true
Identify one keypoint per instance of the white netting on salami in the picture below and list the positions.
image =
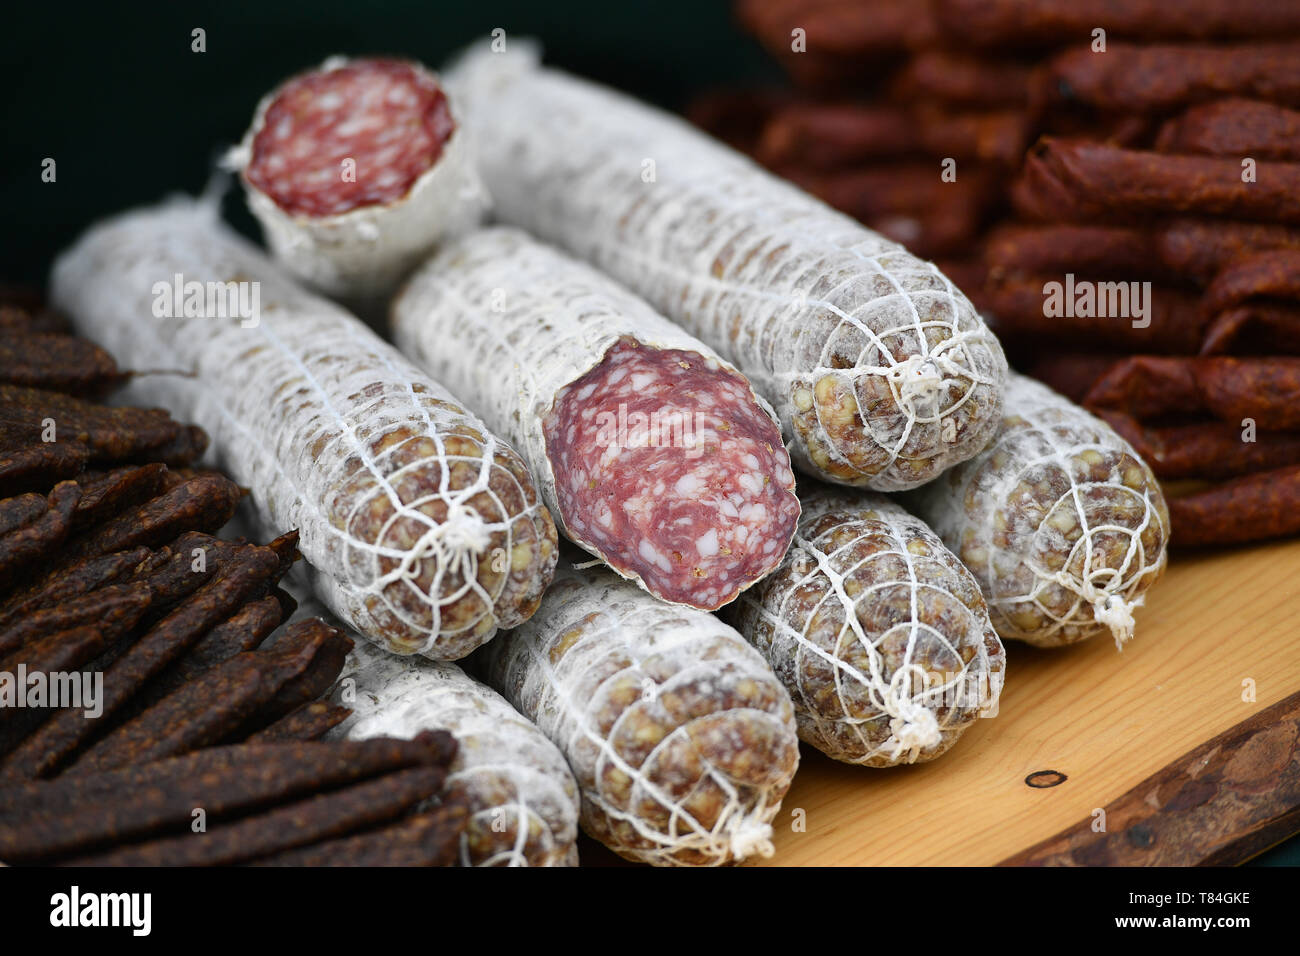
(355, 169)
(522, 798)
(878, 632)
(425, 529)
(881, 371)
(650, 450)
(1064, 526)
(682, 740)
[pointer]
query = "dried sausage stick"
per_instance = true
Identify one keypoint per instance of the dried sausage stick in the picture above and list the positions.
(1155, 78)
(423, 839)
(1234, 127)
(992, 23)
(1251, 508)
(326, 816)
(1083, 180)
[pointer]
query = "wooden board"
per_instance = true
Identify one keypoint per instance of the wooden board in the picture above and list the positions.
(1232, 797)
(1105, 720)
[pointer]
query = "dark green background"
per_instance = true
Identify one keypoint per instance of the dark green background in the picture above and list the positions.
(130, 114)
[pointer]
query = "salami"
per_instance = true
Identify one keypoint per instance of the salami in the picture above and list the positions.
(1205, 450)
(1157, 78)
(425, 530)
(354, 170)
(1080, 180)
(651, 451)
(881, 371)
(682, 740)
(1063, 525)
(993, 23)
(521, 796)
(1234, 127)
(1201, 248)
(878, 632)
(1250, 508)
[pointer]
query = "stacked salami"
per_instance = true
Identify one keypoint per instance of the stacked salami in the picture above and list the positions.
(1165, 150)
(616, 367)
(423, 529)
(880, 370)
(651, 451)
(873, 139)
(144, 671)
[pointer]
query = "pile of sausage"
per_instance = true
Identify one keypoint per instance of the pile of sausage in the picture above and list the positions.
(1113, 183)
(144, 671)
(638, 358)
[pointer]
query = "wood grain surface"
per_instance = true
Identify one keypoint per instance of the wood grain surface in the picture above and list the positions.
(1225, 801)
(1092, 723)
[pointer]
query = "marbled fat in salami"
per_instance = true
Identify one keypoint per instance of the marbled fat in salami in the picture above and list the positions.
(355, 169)
(650, 450)
(386, 116)
(882, 373)
(666, 465)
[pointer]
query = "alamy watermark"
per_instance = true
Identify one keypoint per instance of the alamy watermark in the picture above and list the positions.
(669, 429)
(236, 299)
(1084, 300)
(963, 690)
(133, 911)
(54, 689)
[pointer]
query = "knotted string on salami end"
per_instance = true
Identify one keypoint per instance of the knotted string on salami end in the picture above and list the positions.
(1109, 608)
(877, 632)
(920, 379)
(1117, 614)
(455, 543)
(917, 378)
(750, 837)
(461, 531)
(913, 727)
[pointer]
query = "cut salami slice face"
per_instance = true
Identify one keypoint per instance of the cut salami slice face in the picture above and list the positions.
(650, 450)
(355, 170)
(882, 373)
(388, 118)
(668, 469)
